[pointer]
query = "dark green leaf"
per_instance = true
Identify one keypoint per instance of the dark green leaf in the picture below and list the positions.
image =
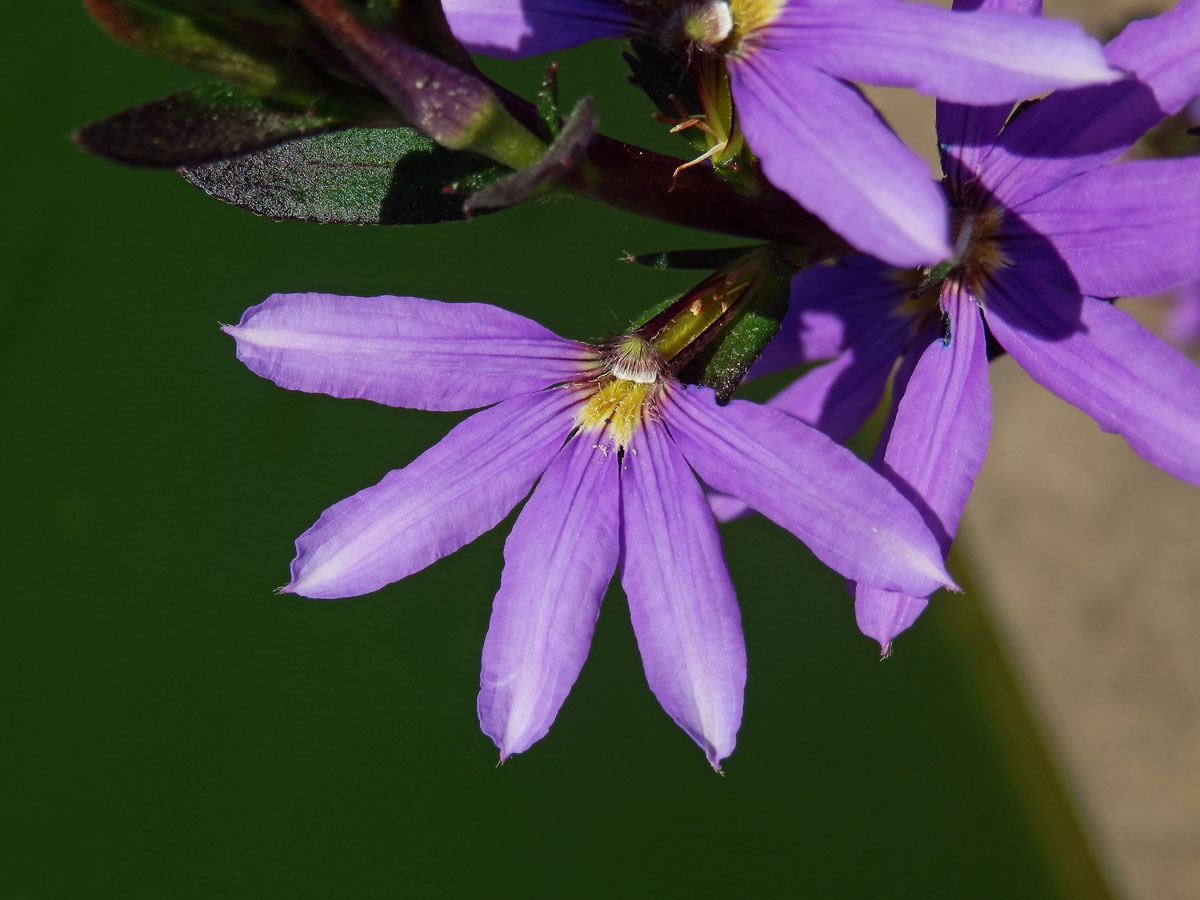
(360, 176)
(205, 123)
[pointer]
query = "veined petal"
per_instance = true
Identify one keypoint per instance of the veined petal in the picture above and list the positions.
(987, 56)
(558, 561)
(848, 514)
(839, 396)
(681, 601)
(1070, 132)
(823, 144)
(832, 306)
(935, 448)
(1127, 229)
(1105, 363)
(966, 132)
(446, 497)
(515, 28)
(403, 351)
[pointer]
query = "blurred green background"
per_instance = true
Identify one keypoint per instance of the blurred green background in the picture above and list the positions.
(173, 729)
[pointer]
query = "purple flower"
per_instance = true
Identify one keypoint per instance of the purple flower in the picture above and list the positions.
(612, 438)
(1044, 225)
(789, 67)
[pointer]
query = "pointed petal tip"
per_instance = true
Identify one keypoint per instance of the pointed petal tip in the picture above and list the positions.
(885, 650)
(289, 588)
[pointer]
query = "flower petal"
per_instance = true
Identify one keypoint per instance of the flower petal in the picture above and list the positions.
(823, 144)
(1127, 229)
(1074, 131)
(1106, 364)
(1183, 319)
(681, 601)
(832, 306)
(987, 56)
(558, 561)
(446, 497)
(966, 132)
(935, 448)
(514, 28)
(848, 514)
(403, 351)
(839, 396)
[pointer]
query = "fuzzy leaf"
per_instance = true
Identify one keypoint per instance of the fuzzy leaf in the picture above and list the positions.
(199, 125)
(359, 176)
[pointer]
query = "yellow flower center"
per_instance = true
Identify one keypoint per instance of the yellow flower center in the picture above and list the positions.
(624, 393)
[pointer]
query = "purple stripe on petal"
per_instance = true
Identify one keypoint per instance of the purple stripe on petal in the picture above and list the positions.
(1071, 132)
(558, 561)
(848, 514)
(1106, 364)
(823, 144)
(446, 497)
(1021, 7)
(1127, 229)
(980, 57)
(681, 601)
(935, 448)
(403, 351)
(515, 28)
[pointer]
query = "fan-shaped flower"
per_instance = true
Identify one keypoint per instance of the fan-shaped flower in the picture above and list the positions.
(611, 436)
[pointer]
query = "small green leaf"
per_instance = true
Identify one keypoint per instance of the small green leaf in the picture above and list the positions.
(359, 176)
(713, 258)
(569, 147)
(204, 123)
